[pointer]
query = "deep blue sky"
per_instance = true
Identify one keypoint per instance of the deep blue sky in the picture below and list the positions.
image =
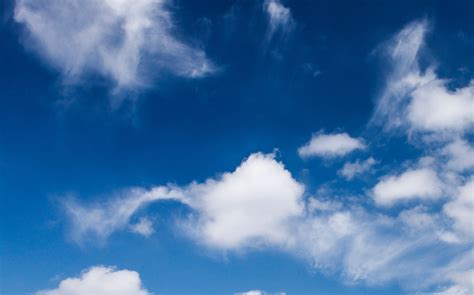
(58, 139)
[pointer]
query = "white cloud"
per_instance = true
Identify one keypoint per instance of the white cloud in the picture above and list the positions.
(144, 227)
(279, 17)
(461, 210)
(260, 205)
(100, 280)
(330, 145)
(463, 284)
(422, 183)
(420, 101)
(460, 155)
(250, 206)
(350, 170)
(247, 207)
(118, 39)
(259, 292)
(98, 221)
(434, 108)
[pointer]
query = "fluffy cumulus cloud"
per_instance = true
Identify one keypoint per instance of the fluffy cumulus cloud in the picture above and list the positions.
(330, 145)
(416, 100)
(249, 206)
(117, 39)
(351, 170)
(100, 280)
(420, 183)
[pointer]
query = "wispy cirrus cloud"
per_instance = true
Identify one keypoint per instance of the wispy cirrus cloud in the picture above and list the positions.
(279, 18)
(130, 43)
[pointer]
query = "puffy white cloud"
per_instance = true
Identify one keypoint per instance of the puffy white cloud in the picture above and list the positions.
(422, 183)
(247, 207)
(434, 108)
(250, 206)
(100, 280)
(420, 101)
(117, 39)
(279, 17)
(460, 155)
(330, 145)
(350, 170)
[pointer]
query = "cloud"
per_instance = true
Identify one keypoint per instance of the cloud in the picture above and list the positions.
(461, 211)
(460, 155)
(127, 42)
(97, 221)
(100, 280)
(259, 292)
(247, 207)
(422, 184)
(434, 108)
(260, 205)
(350, 170)
(330, 145)
(250, 206)
(416, 100)
(144, 227)
(279, 17)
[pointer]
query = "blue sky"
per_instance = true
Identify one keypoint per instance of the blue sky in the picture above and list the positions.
(236, 147)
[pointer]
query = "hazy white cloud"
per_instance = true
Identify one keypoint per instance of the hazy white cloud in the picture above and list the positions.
(422, 183)
(420, 101)
(350, 170)
(99, 220)
(127, 42)
(461, 210)
(100, 280)
(463, 284)
(143, 227)
(279, 17)
(330, 145)
(259, 292)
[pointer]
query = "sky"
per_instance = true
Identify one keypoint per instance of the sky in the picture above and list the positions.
(236, 147)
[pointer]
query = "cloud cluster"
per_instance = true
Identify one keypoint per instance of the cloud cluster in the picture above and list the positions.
(426, 244)
(100, 280)
(330, 145)
(418, 100)
(117, 39)
(261, 205)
